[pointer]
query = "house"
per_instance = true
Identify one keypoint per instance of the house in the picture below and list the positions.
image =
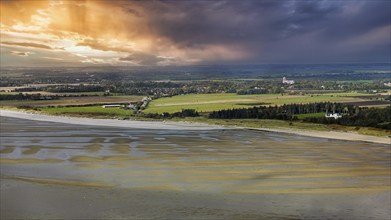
(133, 107)
(333, 115)
(146, 99)
(285, 81)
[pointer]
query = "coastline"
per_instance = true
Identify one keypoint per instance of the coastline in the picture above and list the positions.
(108, 122)
(347, 136)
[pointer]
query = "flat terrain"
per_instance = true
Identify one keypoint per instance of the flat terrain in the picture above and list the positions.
(212, 102)
(54, 93)
(106, 172)
(89, 111)
(64, 101)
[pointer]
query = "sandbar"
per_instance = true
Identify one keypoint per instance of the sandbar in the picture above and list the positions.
(348, 136)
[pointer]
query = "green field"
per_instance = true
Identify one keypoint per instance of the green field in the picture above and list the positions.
(212, 102)
(88, 111)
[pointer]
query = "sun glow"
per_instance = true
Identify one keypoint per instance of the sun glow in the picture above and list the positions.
(67, 27)
(85, 31)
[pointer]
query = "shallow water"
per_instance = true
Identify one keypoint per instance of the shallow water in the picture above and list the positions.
(217, 160)
(233, 162)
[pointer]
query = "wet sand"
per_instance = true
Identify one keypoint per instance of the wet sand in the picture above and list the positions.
(336, 135)
(23, 200)
(56, 170)
(349, 136)
(107, 122)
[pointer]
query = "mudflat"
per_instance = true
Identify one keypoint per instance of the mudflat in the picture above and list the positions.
(349, 136)
(24, 200)
(57, 170)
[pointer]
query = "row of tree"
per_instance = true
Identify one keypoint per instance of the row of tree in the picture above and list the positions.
(182, 114)
(261, 112)
(284, 112)
(367, 117)
(78, 88)
(21, 96)
(351, 115)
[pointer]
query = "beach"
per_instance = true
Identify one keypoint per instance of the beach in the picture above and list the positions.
(348, 136)
(107, 122)
(53, 170)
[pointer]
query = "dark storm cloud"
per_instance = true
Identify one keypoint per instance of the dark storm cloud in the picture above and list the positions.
(194, 22)
(263, 26)
(359, 18)
(186, 32)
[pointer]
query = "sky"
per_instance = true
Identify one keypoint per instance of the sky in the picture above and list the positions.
(202, 32)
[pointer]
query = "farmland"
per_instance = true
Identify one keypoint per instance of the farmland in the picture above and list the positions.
(88, 111)
(90, 106)
(212, 102)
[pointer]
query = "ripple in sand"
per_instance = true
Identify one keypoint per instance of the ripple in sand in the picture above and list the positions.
(85, 159)
(32, 150)
(58, 182)
(98, 140)
(7, 150)
(93, 148)
(28, 160)
(121, 140)
(120, 149)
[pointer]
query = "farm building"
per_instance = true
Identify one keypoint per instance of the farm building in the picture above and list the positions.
(285, 81)
(333, 115)
(132, 106)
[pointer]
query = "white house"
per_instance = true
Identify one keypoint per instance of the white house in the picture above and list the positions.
(285, 81)
(146, 99)
(333, 115)
(132, 106)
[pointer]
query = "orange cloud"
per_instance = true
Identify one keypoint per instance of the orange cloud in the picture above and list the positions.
(22, 54)
(26, 44)
(114, 32)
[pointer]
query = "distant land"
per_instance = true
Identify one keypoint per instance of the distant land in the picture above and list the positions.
(354, 71)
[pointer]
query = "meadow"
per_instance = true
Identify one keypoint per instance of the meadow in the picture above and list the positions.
(213, 102)
(76, 106)
(88, 111)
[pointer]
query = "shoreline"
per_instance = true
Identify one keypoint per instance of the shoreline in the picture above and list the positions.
(334, 135)
(158, 125)
(346, 136)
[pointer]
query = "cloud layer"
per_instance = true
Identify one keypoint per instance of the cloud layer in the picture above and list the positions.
(195, 32)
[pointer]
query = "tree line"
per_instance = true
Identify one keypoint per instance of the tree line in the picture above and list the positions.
(22, 96)
(351, 115)
(284, 112)
(367, 117)
(182, 114)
